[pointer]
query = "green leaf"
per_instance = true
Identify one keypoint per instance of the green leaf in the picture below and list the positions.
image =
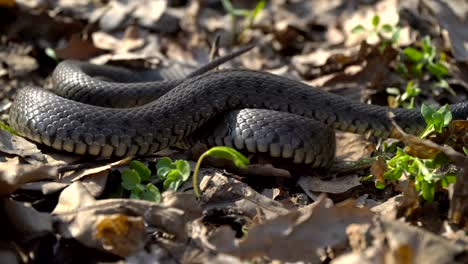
(257, 9)
(413, 54)
(394, 174)
(358, 29)
(163, 172)
(151, 193)
(396, 35)
(51, 53)
(184, 169)
(130, 179)
(427, 111)
(230, 154)
(380, 185)
(393, 90)
(437, 69)
(172, 181)
(465, 150)
(165, 162)
(428, 49)
(143, 171)
(387, 28)
(428, 191)
(137, 192)
(439, 160)
(228, 6)
(401, 69)
(375, 21)
(417, 69)
(446, 113)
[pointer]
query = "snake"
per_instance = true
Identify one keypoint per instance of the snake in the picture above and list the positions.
(109, 111)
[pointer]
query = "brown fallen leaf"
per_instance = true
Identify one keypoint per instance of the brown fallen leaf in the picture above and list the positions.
(19, 146)
(397, 242)
(14, 175)
(18, 65)
(223, 192)
(378, 169)
(91, 221)
(294, 236)
(129, 42)
(78, 49)
(335, 185)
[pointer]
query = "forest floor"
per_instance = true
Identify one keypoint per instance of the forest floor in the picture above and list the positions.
(383, 200)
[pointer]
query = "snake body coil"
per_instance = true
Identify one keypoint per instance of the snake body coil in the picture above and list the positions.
(257, 111)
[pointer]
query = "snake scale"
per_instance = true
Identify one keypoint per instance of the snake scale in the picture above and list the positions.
(108, 111)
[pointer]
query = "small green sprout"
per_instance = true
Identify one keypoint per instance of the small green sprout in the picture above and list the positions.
(174, 173)
(426, 58)
(219, 152)
(436, 119)
(411, 92)
(248, 15)
(387, 33)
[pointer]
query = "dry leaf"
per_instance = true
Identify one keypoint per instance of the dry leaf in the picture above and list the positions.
(336, 185)
(351, 146)
(90, 221)
(78, 49)
(16, 145)
(13, 175)
(293, 236)
(222, 192)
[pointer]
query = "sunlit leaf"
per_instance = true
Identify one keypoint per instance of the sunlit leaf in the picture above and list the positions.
(230, 154)
(130, 179)
(413, 54)
(142, 170)
(375, 21)
(358, 29)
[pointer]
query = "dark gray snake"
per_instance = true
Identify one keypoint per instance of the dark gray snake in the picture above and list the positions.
(255, 111)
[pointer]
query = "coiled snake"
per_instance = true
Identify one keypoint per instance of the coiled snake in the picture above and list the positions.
(251, 110)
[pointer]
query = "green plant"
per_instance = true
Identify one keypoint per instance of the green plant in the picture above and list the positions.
(424, 172)
(137, 178)
(436, 119)
(219, 152)
(406, 99)
(133, 178)
(248, 15)
(8, 128)
(174, 173)
(425, 58)
(386, 33)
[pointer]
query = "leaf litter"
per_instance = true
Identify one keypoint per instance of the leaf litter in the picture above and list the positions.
(267, 213)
